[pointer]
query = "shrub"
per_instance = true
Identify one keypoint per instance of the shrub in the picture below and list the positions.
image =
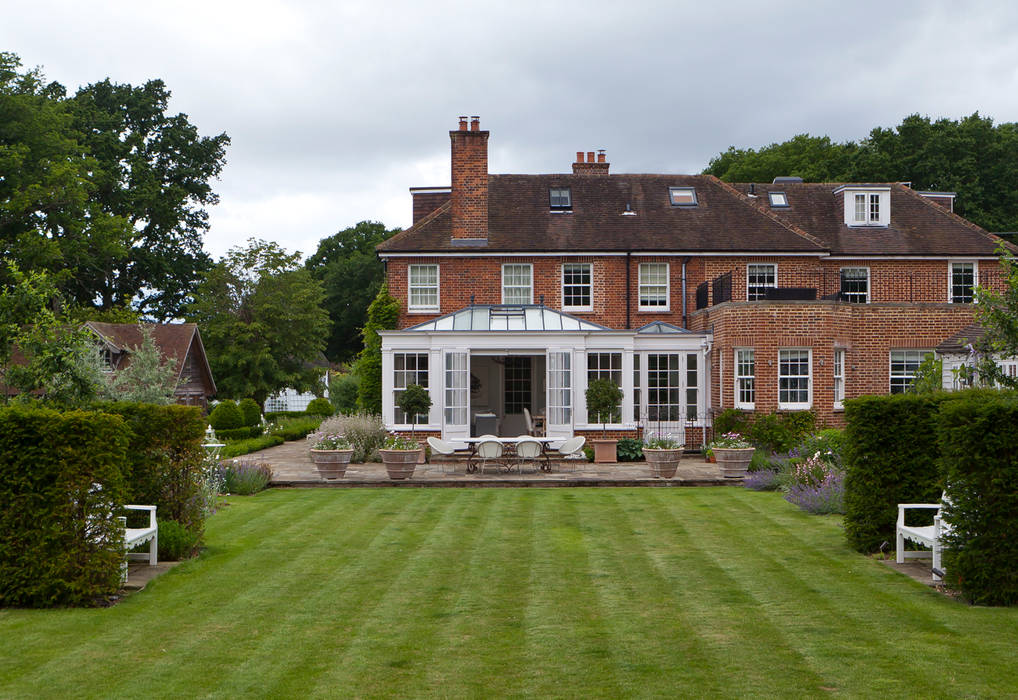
(365, 432)
(781, 432)
(275, 416)
(343, 393)
(244, 433)
(295, 428)
(976, 437)
(629, 450)
(243, 447)
(61, 488)
(762, 480)
(320, 407)
(251, 412)
(760, 462)
(176, 541)
(731, 420)
(830, 441)
(890, 457)
(245, 477)
(827, 496)
(226, 415)
(588, 453)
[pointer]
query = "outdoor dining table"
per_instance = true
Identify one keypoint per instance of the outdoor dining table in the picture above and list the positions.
(509, 443)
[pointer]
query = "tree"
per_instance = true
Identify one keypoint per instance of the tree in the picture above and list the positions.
(383, 314)
(104, 190)
(262, 321)
(997, 313)
(969, 156)
(603, 400)
(351, 274)
(149, 378)
(414, 400)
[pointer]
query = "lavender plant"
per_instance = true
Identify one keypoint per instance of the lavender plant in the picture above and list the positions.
(817, 485)
(245, 477)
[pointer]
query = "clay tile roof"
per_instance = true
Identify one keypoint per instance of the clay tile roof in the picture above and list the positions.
(959, 341)
(519, 218)
(918, 225)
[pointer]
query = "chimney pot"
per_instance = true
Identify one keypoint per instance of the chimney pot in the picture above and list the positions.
(579, 156)
(463, 123)
(600, 155)
(475, 123)
(590, 156)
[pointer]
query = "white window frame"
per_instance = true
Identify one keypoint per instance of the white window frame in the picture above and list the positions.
(891, 376)
(869, 206)
(682, 192)
(410, 286)
(530, 272)
(868, 282)
(838, 373)
(797, 405)
(778, 199)
(640, 285)
(613, 374)
(773, 266)
(405, 374)
(950, 279)
(590, 287)
(741, 378)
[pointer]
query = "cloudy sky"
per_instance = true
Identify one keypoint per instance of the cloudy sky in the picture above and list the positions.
(336, 108)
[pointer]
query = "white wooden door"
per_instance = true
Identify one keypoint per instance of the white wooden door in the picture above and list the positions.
(456, 384)
(560, 393)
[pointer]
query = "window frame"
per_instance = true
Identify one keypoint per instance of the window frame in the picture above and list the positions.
(560, 208)
(611, 372)
(774, 268)
(640, 284)
(796, 405)
(740, 378)
(419, 309)
(951, 298)
(530, 268)
(838, 378)
(589, 285)
(778, 205)
(891, 376)
(841, 284)
(405, 373)
(691, 191)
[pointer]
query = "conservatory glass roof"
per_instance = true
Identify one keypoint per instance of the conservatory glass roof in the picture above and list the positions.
(662, 327)
(518, 318)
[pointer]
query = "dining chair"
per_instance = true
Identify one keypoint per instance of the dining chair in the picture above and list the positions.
(529, 450)
(441, 447)
(490, 450)
(569, 448)
(530, 421)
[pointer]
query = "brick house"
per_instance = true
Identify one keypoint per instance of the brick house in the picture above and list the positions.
(694, 295)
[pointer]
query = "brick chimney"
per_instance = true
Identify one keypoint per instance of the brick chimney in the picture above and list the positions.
(590, 166)
(469, 182)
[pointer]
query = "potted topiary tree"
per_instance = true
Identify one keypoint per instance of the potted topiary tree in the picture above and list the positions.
(603, 400)
(399, 454)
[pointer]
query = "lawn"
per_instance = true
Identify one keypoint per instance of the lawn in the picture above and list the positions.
(527, 592)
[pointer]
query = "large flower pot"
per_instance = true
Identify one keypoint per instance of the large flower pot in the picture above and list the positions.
(400, 464)
(331, 463)
(733, 461)
(605, 451)
(662, 463)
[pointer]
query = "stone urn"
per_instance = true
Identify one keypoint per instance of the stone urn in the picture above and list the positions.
(733, 461)
(605, 451)
(662, 463)
(400, 464)
(331, 463)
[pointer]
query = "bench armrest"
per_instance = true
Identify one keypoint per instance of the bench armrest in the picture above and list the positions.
(902, 507)
(151, 513)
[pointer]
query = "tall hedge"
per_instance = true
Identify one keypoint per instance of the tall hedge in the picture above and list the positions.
(165, 458)
(979, 443)
(891, 457)
(61, 488)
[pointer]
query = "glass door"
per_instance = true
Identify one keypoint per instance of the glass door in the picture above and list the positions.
(560, 394)
(456, 413)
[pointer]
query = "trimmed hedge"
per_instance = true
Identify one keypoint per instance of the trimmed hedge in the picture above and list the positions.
(891, 455)
(273, 416)
(61, 488)
(251, 431)
(165, 459)
(320, 407)
(242, 447)
(251, 412)
(226, 416)
(980, 451)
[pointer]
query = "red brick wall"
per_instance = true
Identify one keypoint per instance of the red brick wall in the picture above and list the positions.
(469, 182)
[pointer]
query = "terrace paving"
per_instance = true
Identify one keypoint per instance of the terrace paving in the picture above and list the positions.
(292, 467)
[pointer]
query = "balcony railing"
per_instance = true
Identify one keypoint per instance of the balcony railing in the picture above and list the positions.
(923, 286)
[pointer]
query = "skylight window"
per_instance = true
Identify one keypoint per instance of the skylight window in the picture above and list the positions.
(778, 199)
(561, 198)
(682, 196)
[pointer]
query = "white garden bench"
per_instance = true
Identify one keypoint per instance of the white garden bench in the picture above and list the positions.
(928, 535)
(134, 536)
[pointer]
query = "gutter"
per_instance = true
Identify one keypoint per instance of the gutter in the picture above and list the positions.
(685, 261)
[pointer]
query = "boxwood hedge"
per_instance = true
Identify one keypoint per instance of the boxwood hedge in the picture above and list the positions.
(61, 488)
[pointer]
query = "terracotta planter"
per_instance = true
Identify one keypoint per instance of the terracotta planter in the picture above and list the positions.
(331, 463)
(400, 464)
(662, 463)
(733, 461)
(605, 451)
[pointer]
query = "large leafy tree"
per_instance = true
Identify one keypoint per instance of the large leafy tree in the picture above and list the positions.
(351, 274)
(970, 156)
(104, 190)
(262, 321)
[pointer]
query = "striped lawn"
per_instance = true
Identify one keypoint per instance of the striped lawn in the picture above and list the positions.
(517, 592)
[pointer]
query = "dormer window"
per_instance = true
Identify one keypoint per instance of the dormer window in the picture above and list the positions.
(778, 199)
(561, 199)
(867, 206)
(682, 196)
